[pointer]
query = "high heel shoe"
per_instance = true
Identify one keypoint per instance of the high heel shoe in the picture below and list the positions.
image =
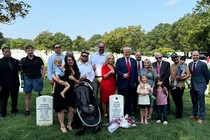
(63, 129)
(69, 127)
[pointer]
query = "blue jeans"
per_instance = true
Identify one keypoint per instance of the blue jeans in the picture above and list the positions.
(198, 97)
(162, 109)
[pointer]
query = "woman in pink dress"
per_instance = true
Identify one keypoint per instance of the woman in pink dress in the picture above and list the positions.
(108, 82)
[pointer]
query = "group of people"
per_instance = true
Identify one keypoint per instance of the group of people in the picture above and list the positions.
(143, 84)
(34, 72)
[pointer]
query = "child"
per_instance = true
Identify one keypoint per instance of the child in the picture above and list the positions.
(181, 72)
(58, 71)
(143, 91)
(161, 100)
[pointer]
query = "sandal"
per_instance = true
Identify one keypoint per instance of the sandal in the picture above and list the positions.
(63, 129)
(69, 127)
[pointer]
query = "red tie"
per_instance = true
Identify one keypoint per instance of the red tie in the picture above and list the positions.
(193, 69)
(128, 65)
(158, 68)
(139, 66)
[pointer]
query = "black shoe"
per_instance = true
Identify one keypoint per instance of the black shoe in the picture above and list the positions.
(27, 113)
(178, 117)
(39, 94)
(14, 112)
(2, 116)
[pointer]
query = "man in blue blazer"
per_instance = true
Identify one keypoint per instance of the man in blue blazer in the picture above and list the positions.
(199, 81)
(126, 69)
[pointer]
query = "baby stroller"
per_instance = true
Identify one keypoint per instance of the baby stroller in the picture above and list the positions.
(87, 107)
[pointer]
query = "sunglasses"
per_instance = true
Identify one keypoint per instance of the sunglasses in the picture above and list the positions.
(84, 55)
(57, 47)
(158, 57)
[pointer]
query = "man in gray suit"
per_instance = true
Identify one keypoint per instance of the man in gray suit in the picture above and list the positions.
(199, 81)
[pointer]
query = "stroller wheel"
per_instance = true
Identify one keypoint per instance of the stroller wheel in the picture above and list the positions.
(80, 132)
(98, 128)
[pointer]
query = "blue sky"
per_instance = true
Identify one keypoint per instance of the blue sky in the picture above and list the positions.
(89, 17)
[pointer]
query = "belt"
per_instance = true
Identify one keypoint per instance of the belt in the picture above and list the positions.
(98, 76)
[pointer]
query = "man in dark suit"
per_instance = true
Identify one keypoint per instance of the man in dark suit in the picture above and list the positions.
(140, 65)
(199, 81)
(9, 81)
(163, 71)
(126, 69)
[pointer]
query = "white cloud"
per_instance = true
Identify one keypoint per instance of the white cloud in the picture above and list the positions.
(171, 3)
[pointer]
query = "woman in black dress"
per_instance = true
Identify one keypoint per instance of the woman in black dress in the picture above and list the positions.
(68, 103)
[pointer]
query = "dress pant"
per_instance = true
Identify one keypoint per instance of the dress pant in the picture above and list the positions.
(128, 98)
(13, 92)
(177, 95)
(198, 98)
(96, 87)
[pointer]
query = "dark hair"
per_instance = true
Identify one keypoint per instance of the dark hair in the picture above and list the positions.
(183, 58)
(156, 86)
(55, 44)
(75, 67)
(5, 48)
(85, 52)
(29, 47)
(174, 55)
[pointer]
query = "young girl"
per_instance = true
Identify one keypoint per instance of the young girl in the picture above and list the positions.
(58, 71)
(143, 91)
(161, 100)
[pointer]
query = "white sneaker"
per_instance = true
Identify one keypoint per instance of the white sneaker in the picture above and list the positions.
(165, 122)
(158, 121)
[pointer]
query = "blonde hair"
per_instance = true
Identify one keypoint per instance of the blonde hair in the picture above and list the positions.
(108, 57)
(57, 59)
(150, 64)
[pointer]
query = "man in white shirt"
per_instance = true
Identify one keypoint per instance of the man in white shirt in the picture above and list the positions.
(85, 68)
(50, 62)
(97, 59)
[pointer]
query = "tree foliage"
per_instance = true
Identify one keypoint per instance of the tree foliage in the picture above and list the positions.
(79, 44)
(11, 9)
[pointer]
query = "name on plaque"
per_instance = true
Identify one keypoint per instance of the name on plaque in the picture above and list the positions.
(44, 110)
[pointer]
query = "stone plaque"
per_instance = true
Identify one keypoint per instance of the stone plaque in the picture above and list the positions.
(44, 110)
(116, 107)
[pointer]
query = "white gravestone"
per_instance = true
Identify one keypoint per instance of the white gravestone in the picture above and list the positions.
(20, 87)
(116, 107)
(44, 110)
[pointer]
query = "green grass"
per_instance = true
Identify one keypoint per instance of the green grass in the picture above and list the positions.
(24, 128)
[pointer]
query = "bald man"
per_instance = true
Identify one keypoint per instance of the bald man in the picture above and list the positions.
(199, 81)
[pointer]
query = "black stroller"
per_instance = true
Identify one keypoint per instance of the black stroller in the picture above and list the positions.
(87, 107)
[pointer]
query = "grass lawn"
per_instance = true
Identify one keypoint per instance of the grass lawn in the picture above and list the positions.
(24, 128)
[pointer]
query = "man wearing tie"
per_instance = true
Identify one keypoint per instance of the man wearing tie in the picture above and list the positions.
(163, 71)
(140, 65)
(199, 81)
(9, 82)
(126, 69)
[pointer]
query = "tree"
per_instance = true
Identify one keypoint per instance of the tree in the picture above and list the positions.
(159, 37)
(44, 41)
(132, 37)
(2, 40)
(93, 41)
(201, 32)
(11, 9)
(79, 44)
(18, 43)
(64, 40)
